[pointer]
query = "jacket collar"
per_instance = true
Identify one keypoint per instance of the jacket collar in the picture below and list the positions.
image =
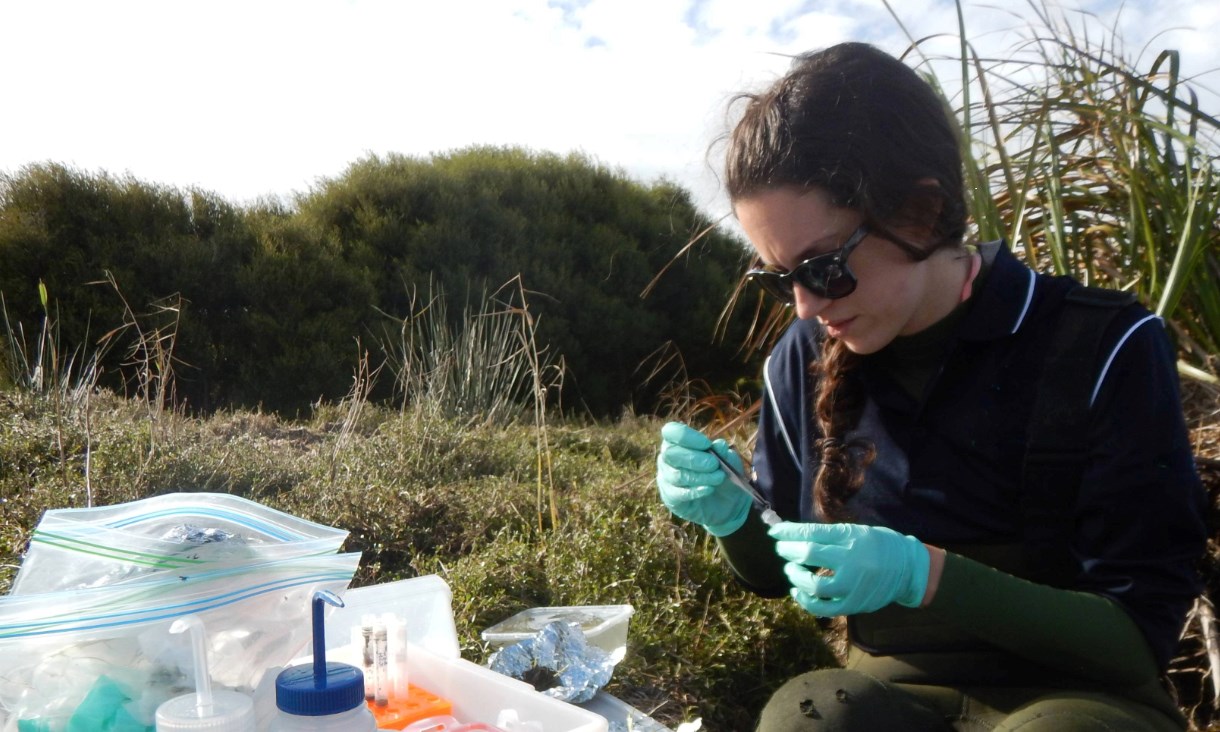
(1005, 298)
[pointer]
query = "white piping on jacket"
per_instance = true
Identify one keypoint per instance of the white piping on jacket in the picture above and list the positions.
(1104, 369)
(779, 418)
(1029, 297)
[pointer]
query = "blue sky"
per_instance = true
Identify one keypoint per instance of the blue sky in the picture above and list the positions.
(257, 98)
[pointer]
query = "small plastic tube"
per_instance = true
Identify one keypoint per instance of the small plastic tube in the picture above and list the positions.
(398, 654)
(203, 680)
(366, 635)
(381, 660)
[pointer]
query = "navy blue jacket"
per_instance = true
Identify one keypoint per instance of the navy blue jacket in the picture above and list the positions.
(948, 466)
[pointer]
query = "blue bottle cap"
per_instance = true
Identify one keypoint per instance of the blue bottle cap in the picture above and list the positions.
(320, 688)
(297, 690)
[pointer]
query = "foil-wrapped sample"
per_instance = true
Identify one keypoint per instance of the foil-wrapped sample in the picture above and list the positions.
(557, 661)
(191, 534)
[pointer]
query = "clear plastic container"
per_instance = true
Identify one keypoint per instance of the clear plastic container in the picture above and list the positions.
(604, 626)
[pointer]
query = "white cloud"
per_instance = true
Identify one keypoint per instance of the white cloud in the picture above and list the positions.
(247, 98)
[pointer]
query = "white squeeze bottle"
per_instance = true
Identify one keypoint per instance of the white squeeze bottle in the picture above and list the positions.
(321, 697)
(220, 711)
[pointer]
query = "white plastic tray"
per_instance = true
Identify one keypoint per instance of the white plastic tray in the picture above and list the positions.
(478, 694)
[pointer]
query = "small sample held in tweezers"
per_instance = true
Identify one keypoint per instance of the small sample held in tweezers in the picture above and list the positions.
(769, 516)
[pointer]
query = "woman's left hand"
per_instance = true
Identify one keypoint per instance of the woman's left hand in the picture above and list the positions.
(872, 567)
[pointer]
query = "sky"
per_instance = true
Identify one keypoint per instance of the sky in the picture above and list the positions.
(256, 98)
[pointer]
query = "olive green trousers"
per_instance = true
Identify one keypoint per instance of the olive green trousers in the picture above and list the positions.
(881, 693)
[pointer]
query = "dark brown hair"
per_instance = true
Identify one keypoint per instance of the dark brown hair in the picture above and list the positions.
(862, 126)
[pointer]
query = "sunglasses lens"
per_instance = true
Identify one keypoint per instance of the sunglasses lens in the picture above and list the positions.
(840, 283)
(775, 285)
(812, 276)
(828, 279)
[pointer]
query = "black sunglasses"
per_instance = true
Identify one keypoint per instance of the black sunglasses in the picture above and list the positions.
(825, 275)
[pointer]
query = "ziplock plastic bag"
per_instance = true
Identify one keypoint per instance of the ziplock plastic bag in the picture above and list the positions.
(74, 548)
(60, 649)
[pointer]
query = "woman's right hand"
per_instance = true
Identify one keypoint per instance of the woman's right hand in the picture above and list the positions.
(692, 484)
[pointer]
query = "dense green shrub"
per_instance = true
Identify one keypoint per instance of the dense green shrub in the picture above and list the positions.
(586, 241)
(114, 252)
(271, 305)
(305, 313)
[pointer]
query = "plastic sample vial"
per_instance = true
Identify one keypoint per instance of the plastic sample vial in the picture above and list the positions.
(381, 662)
(321, 697)
(366, 648)
(219, 711)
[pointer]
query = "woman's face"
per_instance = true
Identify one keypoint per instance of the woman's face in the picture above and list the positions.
(894, 295)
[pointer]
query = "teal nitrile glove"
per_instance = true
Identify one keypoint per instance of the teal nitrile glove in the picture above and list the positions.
(692, 485)
(873, 566)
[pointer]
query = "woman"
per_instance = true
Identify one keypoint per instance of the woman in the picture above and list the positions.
(893, 432)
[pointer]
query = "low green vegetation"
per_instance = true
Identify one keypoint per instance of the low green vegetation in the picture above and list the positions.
(425, 494)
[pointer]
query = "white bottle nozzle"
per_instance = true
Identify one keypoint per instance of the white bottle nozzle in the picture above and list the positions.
(203, 711)
(203, 681)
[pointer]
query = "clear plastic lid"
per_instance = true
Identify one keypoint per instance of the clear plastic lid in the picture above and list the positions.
(590, 618)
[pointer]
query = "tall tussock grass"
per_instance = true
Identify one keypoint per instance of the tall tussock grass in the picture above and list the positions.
(1095, 165)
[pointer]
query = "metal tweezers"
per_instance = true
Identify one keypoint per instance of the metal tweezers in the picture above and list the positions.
(769, 516)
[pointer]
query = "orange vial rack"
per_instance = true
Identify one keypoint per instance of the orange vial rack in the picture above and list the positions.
(419, 704)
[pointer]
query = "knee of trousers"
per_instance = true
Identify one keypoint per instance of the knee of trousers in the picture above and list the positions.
(841, 700)
(1085, 712)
